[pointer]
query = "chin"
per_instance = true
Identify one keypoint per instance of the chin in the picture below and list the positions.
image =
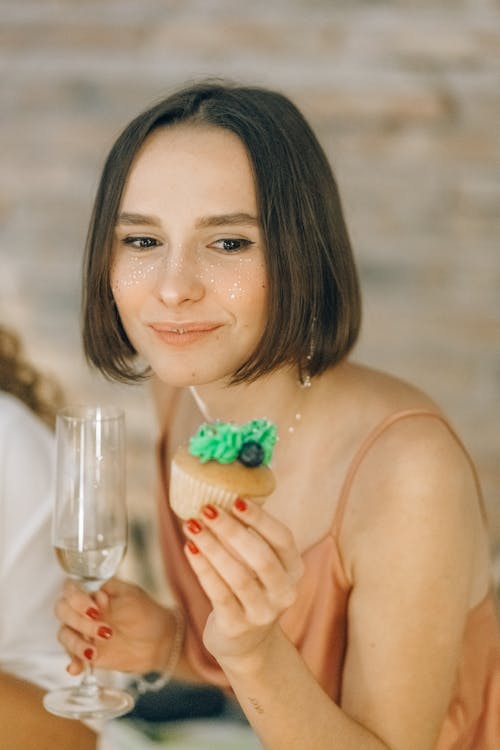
(182, 377)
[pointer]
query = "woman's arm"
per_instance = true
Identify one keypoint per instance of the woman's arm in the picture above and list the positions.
(410, 558)
(416, 567)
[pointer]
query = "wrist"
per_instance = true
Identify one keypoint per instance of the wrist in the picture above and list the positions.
(254, 658)
(170, 651)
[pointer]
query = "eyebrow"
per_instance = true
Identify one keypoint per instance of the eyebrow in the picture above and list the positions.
(227, 219)
(132, 219)
(216, 220)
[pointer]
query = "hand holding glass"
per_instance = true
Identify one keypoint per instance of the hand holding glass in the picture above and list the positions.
(90, 531)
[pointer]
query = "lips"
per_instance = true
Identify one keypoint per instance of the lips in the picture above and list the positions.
(181, 333)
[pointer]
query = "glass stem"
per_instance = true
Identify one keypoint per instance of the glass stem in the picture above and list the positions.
(88, 685)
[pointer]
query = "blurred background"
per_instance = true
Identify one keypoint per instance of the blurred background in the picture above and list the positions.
(405, 98)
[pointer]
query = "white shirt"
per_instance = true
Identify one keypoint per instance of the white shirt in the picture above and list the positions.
(30, 577)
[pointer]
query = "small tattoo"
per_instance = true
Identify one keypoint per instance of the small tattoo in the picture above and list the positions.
(255, 703)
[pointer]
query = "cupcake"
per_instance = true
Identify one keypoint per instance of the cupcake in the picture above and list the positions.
(223, 461)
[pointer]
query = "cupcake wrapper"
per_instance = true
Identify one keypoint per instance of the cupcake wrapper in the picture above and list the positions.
(188, 495)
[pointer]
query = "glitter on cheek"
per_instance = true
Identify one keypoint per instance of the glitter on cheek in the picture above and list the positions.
(133, 273)
(234, 281)
(236, 290)
(210, 274)
(248, 279)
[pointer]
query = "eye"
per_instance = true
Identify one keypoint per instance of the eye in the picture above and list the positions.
(231, 245)
(140, 243)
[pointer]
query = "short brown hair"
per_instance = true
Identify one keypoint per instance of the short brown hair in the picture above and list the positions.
(314, 308)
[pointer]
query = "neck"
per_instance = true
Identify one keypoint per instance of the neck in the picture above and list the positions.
(277, 397)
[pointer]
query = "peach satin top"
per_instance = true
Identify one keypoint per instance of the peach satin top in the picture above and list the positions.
(317, 622)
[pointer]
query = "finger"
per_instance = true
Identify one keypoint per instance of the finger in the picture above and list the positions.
(258, 555)
(88, 624)
(76, 645)
(278, 536)
(102, 600)
(75, 667)
(219, 593)
(116, 587)
(224, 577)
(78, 599)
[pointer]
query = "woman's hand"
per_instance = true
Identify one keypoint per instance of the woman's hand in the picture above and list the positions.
(119, 627)
(248, 565)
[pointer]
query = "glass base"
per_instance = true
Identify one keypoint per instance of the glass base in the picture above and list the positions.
(73, 703)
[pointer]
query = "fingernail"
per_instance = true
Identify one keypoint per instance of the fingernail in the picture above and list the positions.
(192, 547)
(104, 632)
(209, 511)
(88, 654)
(240, 504)
(93, 613)
(194, 526)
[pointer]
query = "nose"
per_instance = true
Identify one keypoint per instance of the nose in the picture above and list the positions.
(179, 281)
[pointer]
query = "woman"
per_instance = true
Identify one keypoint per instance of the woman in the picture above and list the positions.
(30, 579)
(354, 610)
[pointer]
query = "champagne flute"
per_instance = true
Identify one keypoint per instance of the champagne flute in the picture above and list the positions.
(89, 531)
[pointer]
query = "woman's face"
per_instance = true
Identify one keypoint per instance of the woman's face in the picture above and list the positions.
(188, 274)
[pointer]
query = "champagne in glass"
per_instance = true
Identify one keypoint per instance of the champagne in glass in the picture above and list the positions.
(89, 531)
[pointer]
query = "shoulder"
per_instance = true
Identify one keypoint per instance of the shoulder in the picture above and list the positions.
(381, 393)
(360, 399)
(26, 452)
(361, 402)
(408, 458)
(415, 489)
(416, 449)
(393, 431)
(12, 409)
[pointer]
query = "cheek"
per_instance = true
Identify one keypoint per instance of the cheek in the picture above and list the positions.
(243, 281)
(131, 278)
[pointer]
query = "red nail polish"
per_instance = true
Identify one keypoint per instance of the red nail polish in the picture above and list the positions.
(192, 547)
(240, 504)
(104, 632)
(93, 613)
(88, 654)
(209, 511)
(194, 526)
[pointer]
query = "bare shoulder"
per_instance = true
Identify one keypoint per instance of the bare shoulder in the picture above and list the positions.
(359, 400)
(382, 393)
(415, 488)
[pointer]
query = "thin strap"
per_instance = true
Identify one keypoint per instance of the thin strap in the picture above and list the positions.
(371, 439)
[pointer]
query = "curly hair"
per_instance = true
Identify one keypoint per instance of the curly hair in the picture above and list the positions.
(22, 380)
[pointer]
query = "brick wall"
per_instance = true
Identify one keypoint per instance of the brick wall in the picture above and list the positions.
(406, 100)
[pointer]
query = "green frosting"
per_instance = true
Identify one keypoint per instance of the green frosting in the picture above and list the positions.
(222, 441)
